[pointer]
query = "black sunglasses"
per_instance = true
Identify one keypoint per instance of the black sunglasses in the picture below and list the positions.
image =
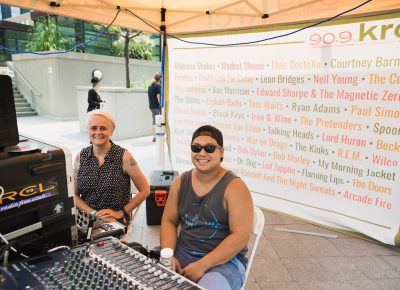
(196, 148)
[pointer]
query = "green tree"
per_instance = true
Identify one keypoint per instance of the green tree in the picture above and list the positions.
(130, 44)
(44, 36)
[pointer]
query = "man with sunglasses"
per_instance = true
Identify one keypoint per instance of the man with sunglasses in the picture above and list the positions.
(214, 209)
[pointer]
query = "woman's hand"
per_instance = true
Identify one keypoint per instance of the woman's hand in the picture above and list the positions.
(109, 215)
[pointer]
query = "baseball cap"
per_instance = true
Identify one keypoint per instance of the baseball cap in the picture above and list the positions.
(208, 130)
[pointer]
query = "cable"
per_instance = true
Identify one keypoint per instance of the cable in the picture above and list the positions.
(65, 51)
(12, 248)
(9, 275)
(180, 39)
(144, 21)
(278, 36)
(58, 248)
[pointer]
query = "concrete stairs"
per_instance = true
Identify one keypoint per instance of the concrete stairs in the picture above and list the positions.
(22, 107)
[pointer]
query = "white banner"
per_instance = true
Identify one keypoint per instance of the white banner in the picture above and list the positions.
(311, 121)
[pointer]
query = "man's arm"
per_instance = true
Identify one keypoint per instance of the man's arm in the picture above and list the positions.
(131, 167)
(170, 218)
(239, 206)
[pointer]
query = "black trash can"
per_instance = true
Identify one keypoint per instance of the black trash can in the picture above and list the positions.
(160, 182)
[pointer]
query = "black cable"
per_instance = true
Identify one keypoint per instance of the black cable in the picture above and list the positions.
(6, 247)
(144, 21)
(278, 36)
(10, 276)
(256, 41)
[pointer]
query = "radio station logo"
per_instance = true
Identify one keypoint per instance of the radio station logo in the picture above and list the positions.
(28, 193)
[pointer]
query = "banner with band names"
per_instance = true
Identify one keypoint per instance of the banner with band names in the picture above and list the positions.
(311, 121)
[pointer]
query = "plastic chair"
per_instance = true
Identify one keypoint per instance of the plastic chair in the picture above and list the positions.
(258, 226)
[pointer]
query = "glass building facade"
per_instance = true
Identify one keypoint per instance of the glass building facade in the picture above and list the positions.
(8, 11)
(15, 37)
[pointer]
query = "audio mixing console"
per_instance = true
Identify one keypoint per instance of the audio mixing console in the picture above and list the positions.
(102, 265)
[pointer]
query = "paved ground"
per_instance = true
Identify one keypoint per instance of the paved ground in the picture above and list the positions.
(284, 260)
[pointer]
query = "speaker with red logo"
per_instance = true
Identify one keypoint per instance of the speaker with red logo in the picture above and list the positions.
(8, 116)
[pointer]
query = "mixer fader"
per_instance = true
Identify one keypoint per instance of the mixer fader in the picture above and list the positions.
(105, 264)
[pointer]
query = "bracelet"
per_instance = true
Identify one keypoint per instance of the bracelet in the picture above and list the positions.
(126, 215)
(93, 212)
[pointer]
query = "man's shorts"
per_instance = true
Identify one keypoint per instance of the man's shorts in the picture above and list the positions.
(229, 276)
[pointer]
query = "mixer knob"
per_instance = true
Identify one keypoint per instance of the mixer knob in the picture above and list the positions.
(157, 273)
(152, 269)
(180, 280)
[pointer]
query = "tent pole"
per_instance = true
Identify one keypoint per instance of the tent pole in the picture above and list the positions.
(160, 120)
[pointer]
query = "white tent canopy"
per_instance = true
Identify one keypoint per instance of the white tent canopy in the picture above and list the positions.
(193, 16)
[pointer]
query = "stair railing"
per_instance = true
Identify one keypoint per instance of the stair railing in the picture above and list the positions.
(26, 89)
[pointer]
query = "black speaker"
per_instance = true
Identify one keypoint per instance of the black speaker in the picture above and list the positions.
(8, 116)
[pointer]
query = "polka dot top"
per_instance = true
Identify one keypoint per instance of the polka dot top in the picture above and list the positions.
(107, 186)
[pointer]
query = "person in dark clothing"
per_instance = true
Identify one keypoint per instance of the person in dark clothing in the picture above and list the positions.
(154, 94)
(94, 99)
(103, 173)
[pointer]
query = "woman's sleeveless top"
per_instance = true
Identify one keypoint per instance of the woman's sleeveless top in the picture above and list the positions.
(107, 186)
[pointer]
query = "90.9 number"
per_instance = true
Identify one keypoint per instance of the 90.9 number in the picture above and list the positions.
(329, 38)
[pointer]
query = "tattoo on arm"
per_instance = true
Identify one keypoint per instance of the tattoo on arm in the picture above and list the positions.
(133, 162)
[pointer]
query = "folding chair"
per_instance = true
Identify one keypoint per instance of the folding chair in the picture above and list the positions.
(258, 225)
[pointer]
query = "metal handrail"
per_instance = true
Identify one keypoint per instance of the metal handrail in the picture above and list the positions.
(26, 86)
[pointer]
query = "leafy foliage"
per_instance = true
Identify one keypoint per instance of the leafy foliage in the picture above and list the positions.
(140, 47)
(44, 36)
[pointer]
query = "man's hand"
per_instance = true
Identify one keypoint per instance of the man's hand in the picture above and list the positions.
(193, 271)
(177, 264)
(109, 215)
